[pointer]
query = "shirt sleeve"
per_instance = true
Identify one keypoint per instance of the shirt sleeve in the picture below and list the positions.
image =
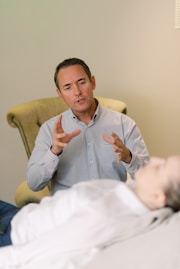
(135, 143)
(42, 163)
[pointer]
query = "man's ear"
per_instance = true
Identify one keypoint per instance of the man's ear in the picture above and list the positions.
(93, 82)
(59, 93)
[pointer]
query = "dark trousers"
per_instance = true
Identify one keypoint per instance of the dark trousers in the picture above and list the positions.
(7, 212)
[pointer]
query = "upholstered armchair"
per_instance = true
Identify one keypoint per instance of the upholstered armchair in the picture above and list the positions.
(28, 118)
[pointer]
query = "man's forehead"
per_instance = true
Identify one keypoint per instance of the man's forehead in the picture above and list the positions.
(70, 68)
(71, 72)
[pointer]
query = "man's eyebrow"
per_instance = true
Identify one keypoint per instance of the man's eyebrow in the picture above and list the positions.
(80, 79)
(66, 85)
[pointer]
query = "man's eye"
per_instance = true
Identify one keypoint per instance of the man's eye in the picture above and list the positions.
(82, 82)
(67, 88)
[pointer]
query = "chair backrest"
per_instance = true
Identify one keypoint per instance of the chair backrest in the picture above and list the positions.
(28, 117)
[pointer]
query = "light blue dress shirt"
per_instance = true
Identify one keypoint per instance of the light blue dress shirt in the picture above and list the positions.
(87, 156)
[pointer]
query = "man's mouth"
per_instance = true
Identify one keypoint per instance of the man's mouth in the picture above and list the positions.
(80, 100)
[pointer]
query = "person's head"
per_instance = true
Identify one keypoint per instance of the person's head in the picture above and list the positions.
(69, 62)
(75, 85)
(158, 183)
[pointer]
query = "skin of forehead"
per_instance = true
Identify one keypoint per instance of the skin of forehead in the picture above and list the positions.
(64, 74)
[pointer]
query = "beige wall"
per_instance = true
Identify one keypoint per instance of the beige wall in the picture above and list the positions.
(131, 46)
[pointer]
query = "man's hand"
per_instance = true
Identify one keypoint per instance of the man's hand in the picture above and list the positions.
(60, 138)
(123, 153)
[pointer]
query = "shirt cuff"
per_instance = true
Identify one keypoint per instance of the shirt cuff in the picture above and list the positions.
(51, 158)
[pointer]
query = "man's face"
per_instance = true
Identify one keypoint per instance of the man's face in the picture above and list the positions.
(76, 89)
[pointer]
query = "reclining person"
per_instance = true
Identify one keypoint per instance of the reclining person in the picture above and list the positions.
(92, 212)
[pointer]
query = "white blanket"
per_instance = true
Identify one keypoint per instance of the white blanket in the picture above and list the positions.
(39, 254)
(158, 248)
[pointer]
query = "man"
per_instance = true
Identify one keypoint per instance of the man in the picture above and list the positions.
(87, 141)
(93, 212)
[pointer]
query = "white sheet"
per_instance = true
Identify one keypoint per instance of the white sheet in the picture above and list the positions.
(40, 253)
(54, 260)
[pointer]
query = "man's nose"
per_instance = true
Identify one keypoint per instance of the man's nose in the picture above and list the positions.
(76, 89)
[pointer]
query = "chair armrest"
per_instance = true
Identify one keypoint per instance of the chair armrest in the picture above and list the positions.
(24, 195)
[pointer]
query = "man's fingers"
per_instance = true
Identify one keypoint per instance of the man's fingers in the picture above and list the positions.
(58, 126)
(119, 157)
(107, 139)
(60, 135)
(65, 138)
(74, 133)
